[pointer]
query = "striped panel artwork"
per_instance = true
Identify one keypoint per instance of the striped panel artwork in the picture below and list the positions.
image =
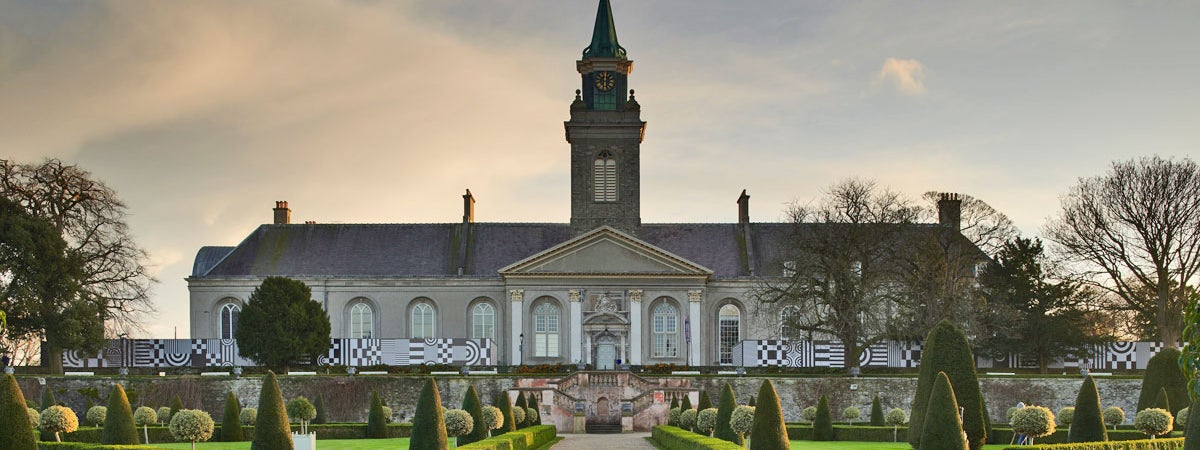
(201, 353)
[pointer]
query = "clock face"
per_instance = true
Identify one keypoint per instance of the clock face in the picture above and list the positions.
(605, 81)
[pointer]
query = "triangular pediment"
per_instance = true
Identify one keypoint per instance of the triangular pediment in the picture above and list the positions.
(605, 251)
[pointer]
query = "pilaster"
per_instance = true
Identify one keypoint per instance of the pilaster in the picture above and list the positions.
(516, 332)
(694, 299)
(635, 326)
(577, 346)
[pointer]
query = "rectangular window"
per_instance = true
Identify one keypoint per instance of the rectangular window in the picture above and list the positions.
(545, 345)
(605, 101)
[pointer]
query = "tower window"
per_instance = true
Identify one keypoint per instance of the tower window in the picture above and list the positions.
(605, 176)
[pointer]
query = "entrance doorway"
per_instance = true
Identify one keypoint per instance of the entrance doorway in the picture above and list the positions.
(606, 356)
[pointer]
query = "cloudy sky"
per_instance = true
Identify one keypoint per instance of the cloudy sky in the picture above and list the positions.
(201, 114)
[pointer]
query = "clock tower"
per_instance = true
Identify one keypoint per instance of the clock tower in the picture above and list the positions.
(605, 133)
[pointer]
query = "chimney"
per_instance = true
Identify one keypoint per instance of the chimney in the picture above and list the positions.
(468, 207)
(743, 208)
(283, 215)
(950, 211)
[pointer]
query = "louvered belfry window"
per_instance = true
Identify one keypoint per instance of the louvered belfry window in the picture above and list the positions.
(605, 176)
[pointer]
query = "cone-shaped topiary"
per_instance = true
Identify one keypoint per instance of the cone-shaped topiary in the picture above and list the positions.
(1162, 372)
(48, 400)
(17, 431)
(376, 422)
(320, 405)
(751, 402)
(472, 406)
(176, 405)
(674, 402)
(946, 350)
(768, 431)
(1191, 432)
(231, 422)
(119, 428)
(1161, 401)
(1087, 423)
(429, 423)
(501, 400)
(941, 430)
(271, 429)
(705, 401)
(725, 407)
(876, 413)
(823, 423)
(520, 403)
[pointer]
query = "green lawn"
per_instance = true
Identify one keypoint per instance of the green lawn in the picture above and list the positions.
(341, 444)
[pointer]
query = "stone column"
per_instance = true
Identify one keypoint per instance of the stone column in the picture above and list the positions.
(621, 354)
(694, 299)
(516, 311)
(587, 349)
(576, 326)
(635, 326)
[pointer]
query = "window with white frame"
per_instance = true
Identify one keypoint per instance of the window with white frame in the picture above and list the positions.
(229, 320)
(422, 321)
(545, 330)
(605, 178)
(666, 331)
(729, 321)
(483, 321)
(362, 321)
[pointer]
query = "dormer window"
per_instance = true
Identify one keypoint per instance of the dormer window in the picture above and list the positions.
(605, 176)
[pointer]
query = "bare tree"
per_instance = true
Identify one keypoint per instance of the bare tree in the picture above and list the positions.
(1136, 229)
(982, 224)
(935, 273)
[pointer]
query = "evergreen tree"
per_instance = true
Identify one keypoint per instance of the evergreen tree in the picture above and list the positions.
(48, 400)
(1161, 400)
(288, 324)
(501, 400)
(16, 433)
(685, 405)
(823, 424)
(272, 430)
(321, 417)
(941, 429)
(119, 428)
(674, 402)
(1162, 372)
(472, 406)
(429, 425)
(1088, 423)
(231, 423)
(876, 413)
(725, 407)
(520, 403)
(946, 350)
(751, 402)
(1192, 431)
(176, 405)
(705, 401)
(376, 423)
(768, 430)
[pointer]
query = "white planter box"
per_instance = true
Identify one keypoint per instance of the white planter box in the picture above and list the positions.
(304, 441)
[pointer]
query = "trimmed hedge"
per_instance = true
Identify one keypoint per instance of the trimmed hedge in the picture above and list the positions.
(527, 438)
(87, 446)
(1140, 444)
(804, 432)
(672, 438)
(1162, 372)
(161, 434)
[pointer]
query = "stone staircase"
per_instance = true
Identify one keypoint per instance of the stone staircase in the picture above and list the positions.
(614, 401)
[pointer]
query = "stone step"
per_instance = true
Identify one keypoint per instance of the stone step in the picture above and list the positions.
(604, 428)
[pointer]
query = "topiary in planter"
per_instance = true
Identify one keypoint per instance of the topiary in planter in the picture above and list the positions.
(231, 427)
(1153, 422)
(194, 426)
(877, 418)
(479, 429)
(942, 429)
(271, 430)
(896, 417)
(1113, 416)
(946, 350)
(851, 414)
(458, 422)
(492, 417)
(742, 419)
(502, 401)
(673, 417)
(687, 419)
(768, 430)
(1087, 425)
(95, 415)
(823, 423)
(429, 427)
(725, 406)
(248, 416)
(1163, 373)
(1065, 416)
(376, 421)
(1033, 422)
(302, 410)
(119, 428)
(15, 418)
(809, 414)
(146, 416)
(58, 419)
(706, 420)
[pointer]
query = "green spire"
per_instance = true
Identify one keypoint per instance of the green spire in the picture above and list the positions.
(604, 36)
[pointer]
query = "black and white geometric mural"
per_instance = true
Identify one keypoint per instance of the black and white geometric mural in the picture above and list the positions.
(163, 353)
(907, 354)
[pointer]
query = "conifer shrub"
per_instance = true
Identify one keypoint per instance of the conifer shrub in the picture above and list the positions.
(674, 402)
(851, 413)
(376, 422)
(686, 403)
(429, 426)
(1087, 425)
(271, 430)
(946, 350)
(493, 418)
(248, 416)
(519, 404)
(895, 417)
(706, 421)
(144, 417)
(1191, 432)
(164, 415)
(823, 423)
(58, 419)
(1113, 416)
(119, 428)
(231, 426)
(1065, 415)
(1163, 373)
(176, 405)
(502, 401)
(725, 406)
(302, 410)
(193, 425)
(877, 419)
(809, 414)
(458, 422)
(48, 400)
(941, 429)
(1153, 422)
(1161, 401)
(479, 429)
(1034, 422)
(751, 402)
(673, 417)
(16, 427)
(687, 419)
(768, 430)
(95, 415)
(320, 406)
(705, 401)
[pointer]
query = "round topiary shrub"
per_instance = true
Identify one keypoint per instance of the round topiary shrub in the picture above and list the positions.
(673, 417)
(531, 415)
(687, 419)
(303, 410)
(164, 414)
(1153, 422)
(1066, 415)
(851, 414)
(248, 416)
(1010, 412)
(742, 419)
(95, 415)
(387, 414)
(706, 420)
(1181, 418)
(58, 419)
(895, 417)
(144, 417)
(192, 425)
(809, 414)
(1113, 416)
(34, 417)
(458, 422)
(1034, 422)
(518, 414)
(492, 417)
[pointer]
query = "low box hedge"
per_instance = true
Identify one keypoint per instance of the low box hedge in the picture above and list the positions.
(1004, 436)
(675, 438)
(523, 439)
(864, 433)
(90, 446)
(1140, 444)
(324, 432)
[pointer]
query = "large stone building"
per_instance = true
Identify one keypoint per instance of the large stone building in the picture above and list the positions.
(602, 289)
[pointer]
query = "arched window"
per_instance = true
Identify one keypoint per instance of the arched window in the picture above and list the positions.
(545, 330)
(605, 176)
(789, 321)
(362, 321)
(422, 321)
(666, 331)
(483, 321)
(729, 322)
(229, 320)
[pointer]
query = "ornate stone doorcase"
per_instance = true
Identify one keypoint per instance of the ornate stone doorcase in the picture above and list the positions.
(606, 329)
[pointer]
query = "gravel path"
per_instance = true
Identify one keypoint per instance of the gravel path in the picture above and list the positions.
(635, 441)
